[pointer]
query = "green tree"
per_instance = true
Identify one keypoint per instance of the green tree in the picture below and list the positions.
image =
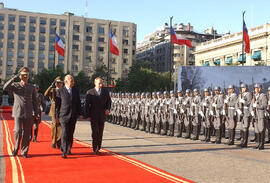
(82, 82)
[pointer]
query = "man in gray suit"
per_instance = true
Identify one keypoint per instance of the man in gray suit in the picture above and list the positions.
(25, 102)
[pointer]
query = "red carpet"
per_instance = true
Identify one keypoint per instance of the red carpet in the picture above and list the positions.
(46, 165)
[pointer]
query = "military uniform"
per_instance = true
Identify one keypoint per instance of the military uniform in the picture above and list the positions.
(147, 112)
(187, 113)
(165, 113)
(152, 112)
(142, 112)
(179, 119)
(25, 103)
(268, 117)
(205, 109)
(195, 108)
(158, 108)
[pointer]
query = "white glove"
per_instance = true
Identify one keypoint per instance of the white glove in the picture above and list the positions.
(201, 113)
(184, 103)
(204, 104)
(252, 113)
(193, 104)
(223, 112)
(191, 113)
(211, 113)
(182, 111)
(255, 105)
(175, 111)
(177, 103)
(214, 105)
(268, 102)
(242, 100)
(266, 113)
(225, 101)
(239, 112)
(161, 104)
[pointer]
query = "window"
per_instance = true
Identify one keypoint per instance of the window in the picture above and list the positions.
(62, 23)
(9, 63)
(125, 42)
(22, 19)
(32, 20)
(101, 49)
(134, 43)
(31, 55)
(53, 22)
(133, 52)
(20, 63)
(52, 48)
(76, 28)
(88, 38)
(1, 53)
(125, 32)
(126, 51)
(88, 48)
(21, 54)
(11, 27)
(21, 37)
(125, 61)
(40, 65)
(2, 17)
(31, 64)
(52, 39)
(31, 46)
(1, 35)
(10, 45)
(42, 21)
(51, 57)
(41, 47)
(89, 29)
(75, 57)
(11, 18)
(101, 30)
(88, 58)
(22, 28)
(10, 36)
(10, 54)
(31, 38)
(32, 29)
(75, 47)
(101, 39)
(1, 27)
(42, 30)
(52, 30)
(74, 67)
(76, 37)
(1, 45)
(62, 31)
(42, 38)
(60, 57)
(21, 46)
(41, 56)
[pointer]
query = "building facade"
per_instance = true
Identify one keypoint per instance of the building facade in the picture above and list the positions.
(227, 50)
(156, 47)
(28, 39)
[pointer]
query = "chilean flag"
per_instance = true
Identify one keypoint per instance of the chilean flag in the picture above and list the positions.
(113, 44)
(176, 39)
(246, 38)
(59, 46)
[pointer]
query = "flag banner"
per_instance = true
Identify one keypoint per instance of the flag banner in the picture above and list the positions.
(176, 39)
(246, 38)
(59, 46)
(113, 44)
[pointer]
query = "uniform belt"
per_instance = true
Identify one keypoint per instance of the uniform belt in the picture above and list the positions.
(246, 107)
(231, 108)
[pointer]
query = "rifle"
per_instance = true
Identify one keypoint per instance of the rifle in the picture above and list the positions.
(254, 109)
(184, 108)
(193, 108)
(225, 106)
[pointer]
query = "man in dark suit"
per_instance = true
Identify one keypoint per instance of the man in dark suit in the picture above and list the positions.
(97, 107)
(67, 110)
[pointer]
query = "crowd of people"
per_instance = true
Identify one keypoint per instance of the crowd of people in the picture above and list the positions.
(215, 113)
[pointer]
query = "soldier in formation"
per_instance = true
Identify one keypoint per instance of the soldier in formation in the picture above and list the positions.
(213, 113)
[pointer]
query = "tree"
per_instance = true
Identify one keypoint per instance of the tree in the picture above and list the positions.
(191, 78)
(102, 72)
(82, 82)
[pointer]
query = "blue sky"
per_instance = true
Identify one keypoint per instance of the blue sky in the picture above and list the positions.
(149, 14)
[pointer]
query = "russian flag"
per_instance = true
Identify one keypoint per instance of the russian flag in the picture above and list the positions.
(176, 39)
(59, 46)
(113, 44)
(246, 38)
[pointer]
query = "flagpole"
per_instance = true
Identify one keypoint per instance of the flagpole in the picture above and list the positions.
(171, 47)
(54, 49)
(243, 39)
(109, 52)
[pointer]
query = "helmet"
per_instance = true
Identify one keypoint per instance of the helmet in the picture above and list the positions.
(188, 90)
(179, 91)
(165, 93)
(158, 93)
(231, 87)
(195, 90)
(36, 86)
(153, 93)
(243, 85)
(217, 88)
(171, 92)
(258, 85)
(206, 90)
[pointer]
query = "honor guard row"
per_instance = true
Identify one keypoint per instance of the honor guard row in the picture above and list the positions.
(213, 113)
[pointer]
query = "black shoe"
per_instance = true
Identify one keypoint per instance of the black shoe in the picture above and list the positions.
(53, 146)
(35, 139)
(24, 155)
(14, 153)
(96, 152)
(64, 155)
(69, 153)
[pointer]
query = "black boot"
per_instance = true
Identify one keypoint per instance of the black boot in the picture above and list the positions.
(179, 129)
(268, 131)
(171, 126)
(35, 135)
(262, 139)
(158, 128)
(232, 137)
(187, 132)
(205, 133)
(218, 136)
(164, 129)
(241, 136)
(254, 139)
(196, 134)
(245, 138)
(257, 137)
(208, 135)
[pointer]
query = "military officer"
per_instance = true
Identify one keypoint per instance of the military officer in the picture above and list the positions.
(187, 112)
(147, 112)
(41, 111)
(152, 112)
(231, 101)
(158, 108)
(243, 110)
(205, 113)
(179, 119)
(259, 105)
(216, 112)
(25, 103)
(165, 113)
(195, 108)
(268, 117)
(56, 130)
(142, 112)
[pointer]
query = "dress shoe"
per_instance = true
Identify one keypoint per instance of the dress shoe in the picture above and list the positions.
(24, 155)
(35, 139)
(69, 153)
(53, 146)
(96, 152)
(64, 155)
(14, 153)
